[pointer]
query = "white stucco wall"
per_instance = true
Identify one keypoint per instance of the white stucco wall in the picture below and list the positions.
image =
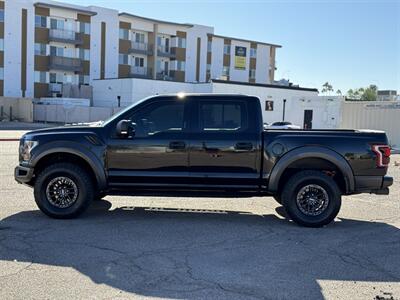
(217, 57)
(262, 67)
(326, 110)
(110, 17)
(197, 31)
(106, 92)
(12, 48)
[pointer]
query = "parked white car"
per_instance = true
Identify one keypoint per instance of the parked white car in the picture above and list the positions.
(281, 125)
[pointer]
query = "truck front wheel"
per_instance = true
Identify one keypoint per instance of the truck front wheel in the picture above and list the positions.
(311, 198)
(63, 190)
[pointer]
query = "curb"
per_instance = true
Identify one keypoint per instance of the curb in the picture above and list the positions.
(9, 140)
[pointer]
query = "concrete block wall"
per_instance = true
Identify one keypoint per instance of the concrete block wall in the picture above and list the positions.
(21, 109)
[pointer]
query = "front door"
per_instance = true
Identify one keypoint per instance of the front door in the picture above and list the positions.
(224, 149)
(158, 152)
(308, 116)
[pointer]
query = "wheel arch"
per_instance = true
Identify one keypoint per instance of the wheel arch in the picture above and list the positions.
(75, 153)
(307, 154)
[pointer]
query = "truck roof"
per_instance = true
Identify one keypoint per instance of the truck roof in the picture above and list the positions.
(219, 95)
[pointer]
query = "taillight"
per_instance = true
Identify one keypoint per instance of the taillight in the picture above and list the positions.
(382, 155)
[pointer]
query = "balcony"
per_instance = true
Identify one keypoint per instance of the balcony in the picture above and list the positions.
(55, 88)
(164, 51)
(162, 75)
(65, 64)
(141, 72)
(65, 36)
(141, 48)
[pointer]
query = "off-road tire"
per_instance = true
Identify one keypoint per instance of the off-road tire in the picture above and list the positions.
(79, 177)
(304, 179)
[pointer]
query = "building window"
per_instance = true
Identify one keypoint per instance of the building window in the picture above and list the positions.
(209, 46)
(181, 42)
(1, 15)
(252, 73)
(180, 65)
(253, 52)
(84, 54)
(40, 49)
(63, 52)
(139, 62)
(84, 28)
(123, 34)
(1, 73)
(139, 37)
(123, 59)
(1, 44)
(40, 21)
(57, 24)
(84, 79)
(227, 49)
(40, 77)
(225, 71)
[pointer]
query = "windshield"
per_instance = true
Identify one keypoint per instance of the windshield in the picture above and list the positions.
(120, 113)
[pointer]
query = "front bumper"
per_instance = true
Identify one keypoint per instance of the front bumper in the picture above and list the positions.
(23, 174)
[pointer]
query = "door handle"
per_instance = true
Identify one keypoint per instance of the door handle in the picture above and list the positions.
(244, 146)
(177, 145)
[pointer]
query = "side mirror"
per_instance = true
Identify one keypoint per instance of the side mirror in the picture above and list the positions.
(126, 128)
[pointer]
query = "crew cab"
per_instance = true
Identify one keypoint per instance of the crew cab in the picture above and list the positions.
(202, 142)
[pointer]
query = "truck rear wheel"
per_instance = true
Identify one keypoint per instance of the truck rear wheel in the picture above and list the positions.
(311, 198)
(63, 190)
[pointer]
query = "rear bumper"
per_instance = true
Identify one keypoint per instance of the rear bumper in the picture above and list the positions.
(23, 174)
(373, 184)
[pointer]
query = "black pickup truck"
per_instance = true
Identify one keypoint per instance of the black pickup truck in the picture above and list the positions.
(202, 142)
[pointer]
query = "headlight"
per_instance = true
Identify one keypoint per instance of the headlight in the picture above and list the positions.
(26, 148)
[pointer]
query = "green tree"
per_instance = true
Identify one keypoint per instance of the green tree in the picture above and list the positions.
(363, 94)
(339, 92)
(327, 88)
(370, 93)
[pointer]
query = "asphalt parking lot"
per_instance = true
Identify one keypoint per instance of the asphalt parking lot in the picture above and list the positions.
(195, 248)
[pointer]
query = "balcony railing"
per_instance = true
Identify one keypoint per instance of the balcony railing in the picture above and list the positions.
(55, 88)
(162, 75)
(65, 63)
(141, 48)
(65, 36)
(141, 72)
(165, 51)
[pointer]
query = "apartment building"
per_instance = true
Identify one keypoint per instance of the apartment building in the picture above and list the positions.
(49, 48)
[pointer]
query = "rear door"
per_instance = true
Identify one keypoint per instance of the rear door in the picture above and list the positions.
(225, 145)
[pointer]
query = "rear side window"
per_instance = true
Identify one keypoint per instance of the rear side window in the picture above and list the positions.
(223, 116)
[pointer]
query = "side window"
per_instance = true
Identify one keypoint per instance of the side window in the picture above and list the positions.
(159, 117)
(223, 116)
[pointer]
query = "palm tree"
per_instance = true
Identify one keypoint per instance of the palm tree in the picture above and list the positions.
(327, 88)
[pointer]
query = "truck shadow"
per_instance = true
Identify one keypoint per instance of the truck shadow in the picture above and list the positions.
(191, 254)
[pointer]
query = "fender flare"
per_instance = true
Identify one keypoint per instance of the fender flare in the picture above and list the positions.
(75, 149)
(311, 152)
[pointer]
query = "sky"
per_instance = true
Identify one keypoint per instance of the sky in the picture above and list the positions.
(350, 44)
